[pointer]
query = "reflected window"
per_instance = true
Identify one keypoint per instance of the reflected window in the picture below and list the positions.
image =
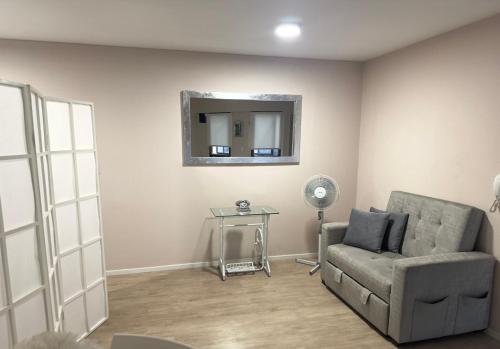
(219, 134)
(267, 134)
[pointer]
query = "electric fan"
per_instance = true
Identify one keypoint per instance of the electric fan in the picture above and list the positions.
(320, 192)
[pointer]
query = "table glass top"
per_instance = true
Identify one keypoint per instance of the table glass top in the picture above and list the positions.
(233, 211)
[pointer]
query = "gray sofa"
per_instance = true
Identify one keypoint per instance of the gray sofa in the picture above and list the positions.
(435, 287)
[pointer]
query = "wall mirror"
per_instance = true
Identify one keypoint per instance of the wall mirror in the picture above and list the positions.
(239, 128)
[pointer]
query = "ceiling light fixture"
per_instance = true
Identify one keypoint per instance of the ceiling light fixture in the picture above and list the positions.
(287, 31)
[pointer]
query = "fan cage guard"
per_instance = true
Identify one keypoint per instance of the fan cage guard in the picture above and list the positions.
(314, 182)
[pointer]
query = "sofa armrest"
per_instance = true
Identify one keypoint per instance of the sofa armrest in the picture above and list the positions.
(331, 234)
(426, 292)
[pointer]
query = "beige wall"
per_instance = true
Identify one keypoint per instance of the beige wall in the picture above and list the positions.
(155, 210)
(431, 125)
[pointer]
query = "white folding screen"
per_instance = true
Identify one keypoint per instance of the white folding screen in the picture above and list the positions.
(51, 250)
(73, 177)
(24, 290)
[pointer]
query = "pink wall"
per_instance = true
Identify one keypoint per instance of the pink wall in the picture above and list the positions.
(431, 125)
(155, 211)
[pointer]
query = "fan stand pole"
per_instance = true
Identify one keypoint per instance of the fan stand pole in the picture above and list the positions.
(315, 265)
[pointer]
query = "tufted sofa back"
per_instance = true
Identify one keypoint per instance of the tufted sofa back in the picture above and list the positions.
(435, 226)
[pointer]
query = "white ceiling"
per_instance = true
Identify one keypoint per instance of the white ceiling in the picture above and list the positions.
(332, 29)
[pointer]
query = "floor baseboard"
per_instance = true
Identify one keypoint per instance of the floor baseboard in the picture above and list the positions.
(199, 264)
(492, 333)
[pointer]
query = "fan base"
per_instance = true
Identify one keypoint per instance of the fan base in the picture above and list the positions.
(316, 265)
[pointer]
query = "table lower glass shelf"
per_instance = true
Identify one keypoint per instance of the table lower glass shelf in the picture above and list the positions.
(242, 267)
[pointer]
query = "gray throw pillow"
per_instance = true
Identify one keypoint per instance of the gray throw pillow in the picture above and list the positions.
(366, 230)
(395, 230)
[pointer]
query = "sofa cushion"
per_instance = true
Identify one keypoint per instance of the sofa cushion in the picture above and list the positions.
(372, 270)
(395, 230)
(435, 226)
(366, 230)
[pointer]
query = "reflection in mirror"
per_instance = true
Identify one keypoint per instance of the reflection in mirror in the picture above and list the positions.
(249, 129)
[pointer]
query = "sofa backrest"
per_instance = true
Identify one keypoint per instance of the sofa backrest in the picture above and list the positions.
(435, 226)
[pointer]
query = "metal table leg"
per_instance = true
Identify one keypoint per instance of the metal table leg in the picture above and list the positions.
(222, 265)
(265, 256)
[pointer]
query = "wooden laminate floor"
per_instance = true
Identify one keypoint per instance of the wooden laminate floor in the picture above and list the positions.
(288, 310)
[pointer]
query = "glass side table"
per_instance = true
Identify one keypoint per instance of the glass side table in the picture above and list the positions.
(261, 237)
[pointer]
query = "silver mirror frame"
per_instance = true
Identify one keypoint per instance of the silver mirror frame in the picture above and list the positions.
(189, 160)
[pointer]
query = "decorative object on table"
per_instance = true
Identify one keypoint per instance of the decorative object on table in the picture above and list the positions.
(496, 189)
(242, 205)
(320, 192)
(261, 257)
(53, 340)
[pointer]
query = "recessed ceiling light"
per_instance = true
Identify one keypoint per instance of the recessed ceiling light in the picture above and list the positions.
(287, 31)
